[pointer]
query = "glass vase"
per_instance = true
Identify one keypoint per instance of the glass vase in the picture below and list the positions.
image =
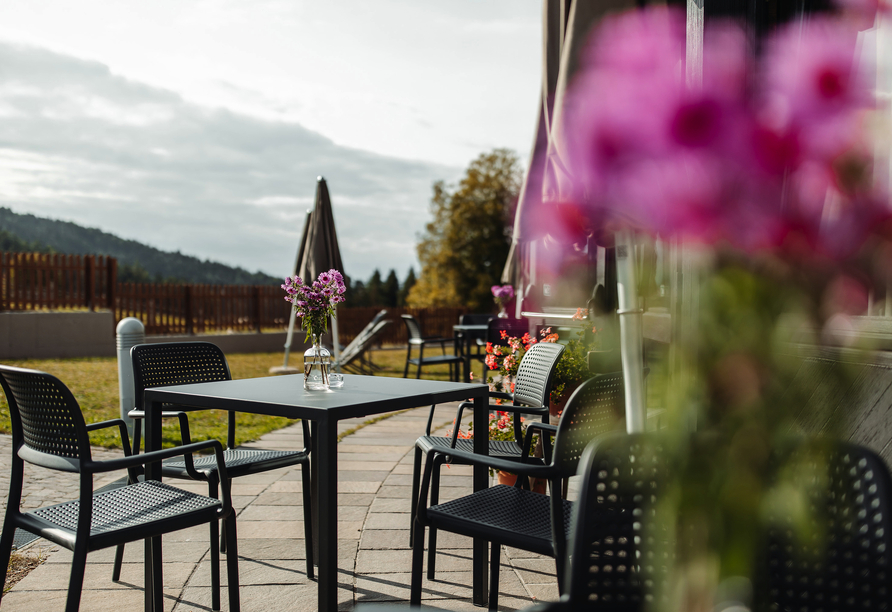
(317, 364)
(503, 312)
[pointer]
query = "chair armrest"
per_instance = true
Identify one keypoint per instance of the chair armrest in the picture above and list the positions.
(545, 428)
(132, 474)
(185, 436)
(497, 463)
(165, 414)
(473, 459)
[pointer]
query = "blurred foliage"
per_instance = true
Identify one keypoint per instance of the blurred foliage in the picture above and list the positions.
(464, 248)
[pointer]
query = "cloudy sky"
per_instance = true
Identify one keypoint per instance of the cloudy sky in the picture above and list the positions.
(201, 126)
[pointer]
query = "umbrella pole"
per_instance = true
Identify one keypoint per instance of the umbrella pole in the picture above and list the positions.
(630, 333)
(335, 340)
(288, 337)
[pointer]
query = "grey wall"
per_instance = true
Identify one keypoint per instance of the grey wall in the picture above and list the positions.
(48, 335)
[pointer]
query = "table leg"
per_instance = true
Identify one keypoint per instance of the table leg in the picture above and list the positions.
(480, 572)
(153, 545)
(327, 461)
(314, 487)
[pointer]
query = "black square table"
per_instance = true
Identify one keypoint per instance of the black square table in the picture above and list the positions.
(285, 396)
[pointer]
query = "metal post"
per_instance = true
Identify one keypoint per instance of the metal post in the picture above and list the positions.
(129, 332)
(630, 333)
(336, 340)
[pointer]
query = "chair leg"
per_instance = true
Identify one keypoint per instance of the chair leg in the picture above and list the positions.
(408, 356)
(76, 580)
(435, 499)
(308, 517)
(119, 561)
(417, 565)
(215, 550)
(494, 551)
(416, 486)
(231, 563)
(6, 546)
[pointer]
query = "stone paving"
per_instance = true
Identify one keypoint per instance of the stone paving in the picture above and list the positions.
(374, 487)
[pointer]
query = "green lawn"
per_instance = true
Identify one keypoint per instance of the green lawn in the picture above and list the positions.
(94, 382)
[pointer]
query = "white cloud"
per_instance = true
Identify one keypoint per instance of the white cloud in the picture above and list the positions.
(208, 182)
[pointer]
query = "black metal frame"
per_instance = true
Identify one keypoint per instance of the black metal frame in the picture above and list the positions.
(514, 516)
(57, 438)
(413, 329)
(535, 376)
(173, 363)
(361, 396)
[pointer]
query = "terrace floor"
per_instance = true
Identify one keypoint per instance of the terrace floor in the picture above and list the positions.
(375, 471)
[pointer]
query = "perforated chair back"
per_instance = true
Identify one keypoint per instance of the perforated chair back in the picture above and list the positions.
(475, 319)
(535, 374)
(844, 564)
(176, 363)
(596, 407)
(412, 328)
(841, 565)
(48, 428)
(612, 522)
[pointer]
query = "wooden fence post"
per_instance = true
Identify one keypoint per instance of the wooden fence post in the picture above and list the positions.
(188, 305)
(90, 281)
(111, 284)
(257, 308)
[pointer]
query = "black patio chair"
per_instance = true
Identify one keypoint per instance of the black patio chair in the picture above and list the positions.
(416, 338)
(842, 564)
(531, 391)
(48, 430)
(473, 342)
(512, 515)
(182, 363)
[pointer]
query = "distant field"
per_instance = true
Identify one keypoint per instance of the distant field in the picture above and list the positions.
(94, 382)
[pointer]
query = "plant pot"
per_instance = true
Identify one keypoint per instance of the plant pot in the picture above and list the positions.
(538, 484)
(555, 408)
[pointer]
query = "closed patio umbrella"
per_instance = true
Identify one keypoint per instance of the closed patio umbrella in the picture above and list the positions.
(548, 180)
(319, 252)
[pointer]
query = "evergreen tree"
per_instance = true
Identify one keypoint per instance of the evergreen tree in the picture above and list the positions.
(407, 287)
(375, 289)
(391, 290)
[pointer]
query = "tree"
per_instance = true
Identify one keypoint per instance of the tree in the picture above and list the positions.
(407, 287)
(465, 247)
(375, 289)
(390, 290)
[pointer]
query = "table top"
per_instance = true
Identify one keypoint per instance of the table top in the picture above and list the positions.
(470, 327)
(286, 396)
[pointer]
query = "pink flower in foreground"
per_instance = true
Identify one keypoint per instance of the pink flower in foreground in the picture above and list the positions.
(813, 86)
(719, 163)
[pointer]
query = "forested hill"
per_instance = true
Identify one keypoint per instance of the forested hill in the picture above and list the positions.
(137, 262)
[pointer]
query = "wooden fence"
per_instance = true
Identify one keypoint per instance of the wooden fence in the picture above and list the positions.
(198, 309)
(35, 281)
(38, 281)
